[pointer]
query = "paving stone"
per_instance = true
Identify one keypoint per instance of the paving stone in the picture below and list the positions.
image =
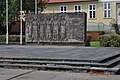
(104, 77)
(9, 73)
(47, 75)
(42, 75)
(38, 76)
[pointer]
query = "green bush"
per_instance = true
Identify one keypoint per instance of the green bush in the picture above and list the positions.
(12, 38)
(112, 40)
(88, 39)
(2, 38)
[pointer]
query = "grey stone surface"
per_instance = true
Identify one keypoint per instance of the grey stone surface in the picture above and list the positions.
(59, 52)
(108, 77)
(53, 76)
(6, 74)
(56, 27)
(45, 75)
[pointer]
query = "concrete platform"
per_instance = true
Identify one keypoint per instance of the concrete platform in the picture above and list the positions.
(58, 52)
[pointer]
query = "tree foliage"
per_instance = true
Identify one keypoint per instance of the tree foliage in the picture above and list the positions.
(2, 13)
(29, 5)
(14, 9)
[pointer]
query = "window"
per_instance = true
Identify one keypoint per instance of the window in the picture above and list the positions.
(92, 11)
(77, 8)
(63, 9)
(107, 10)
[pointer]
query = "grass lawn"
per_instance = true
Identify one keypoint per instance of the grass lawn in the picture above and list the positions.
(95, 44)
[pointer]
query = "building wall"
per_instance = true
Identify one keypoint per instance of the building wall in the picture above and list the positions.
(107, 0)
(93, 24)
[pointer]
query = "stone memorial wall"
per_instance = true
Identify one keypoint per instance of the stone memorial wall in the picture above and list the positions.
(56, 27)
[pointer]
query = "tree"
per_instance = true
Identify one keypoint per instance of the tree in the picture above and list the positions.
(14, 10)
(29, 5)
(2, 13)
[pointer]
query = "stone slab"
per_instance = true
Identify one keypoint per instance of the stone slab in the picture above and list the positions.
(9, 73)
(45, 75)
(5, 74)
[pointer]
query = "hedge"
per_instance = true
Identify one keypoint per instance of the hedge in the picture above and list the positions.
(112, 40)
(12, 38)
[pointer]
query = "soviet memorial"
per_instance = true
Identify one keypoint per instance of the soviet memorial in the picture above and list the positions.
(56, 27)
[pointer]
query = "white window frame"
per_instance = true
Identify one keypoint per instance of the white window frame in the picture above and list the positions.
(78, 8)
(63, 9)
(107, 10)
(92, 11)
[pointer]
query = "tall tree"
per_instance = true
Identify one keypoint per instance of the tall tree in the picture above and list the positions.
(29, 5)
(14, 9)
(2, 15)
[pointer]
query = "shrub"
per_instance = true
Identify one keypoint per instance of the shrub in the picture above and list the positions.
(115, 40)
(12, 38)
(2, 38)
(112, 40)
(88, 39)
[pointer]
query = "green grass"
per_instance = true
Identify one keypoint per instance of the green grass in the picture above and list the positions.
(95, 44)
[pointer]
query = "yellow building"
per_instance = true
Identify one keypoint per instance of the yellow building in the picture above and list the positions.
(99, 12)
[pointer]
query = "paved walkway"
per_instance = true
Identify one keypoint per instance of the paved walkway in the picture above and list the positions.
(11, 74)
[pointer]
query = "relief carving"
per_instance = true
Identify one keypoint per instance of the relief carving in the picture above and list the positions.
(69, 27)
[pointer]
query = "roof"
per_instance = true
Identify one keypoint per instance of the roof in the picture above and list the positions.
(64, 1)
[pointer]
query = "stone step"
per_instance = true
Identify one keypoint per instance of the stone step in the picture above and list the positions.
(61, 68)
(52, 63)
(108, 64)
(109, 70)
(118, 66)
(113, 62)
(51, 59)
(46, 59)
(109, 58)
(45, 67)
